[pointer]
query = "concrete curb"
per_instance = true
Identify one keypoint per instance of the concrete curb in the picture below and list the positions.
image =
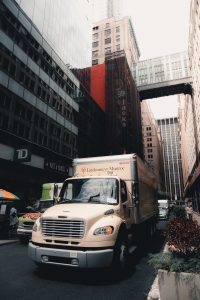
(5, 242)
(154, 293)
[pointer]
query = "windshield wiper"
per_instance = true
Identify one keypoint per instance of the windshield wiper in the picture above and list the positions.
(81, 200)
(91, 198)
(65, 201)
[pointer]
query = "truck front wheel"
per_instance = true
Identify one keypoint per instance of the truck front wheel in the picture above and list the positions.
(121, 254)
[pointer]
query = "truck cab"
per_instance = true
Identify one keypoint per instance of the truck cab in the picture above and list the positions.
(98, 208)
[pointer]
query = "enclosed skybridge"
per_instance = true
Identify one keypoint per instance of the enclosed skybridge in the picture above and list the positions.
(163, 76)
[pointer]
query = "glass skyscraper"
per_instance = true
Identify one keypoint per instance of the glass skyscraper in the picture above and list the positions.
(66, 25)
(169, 129)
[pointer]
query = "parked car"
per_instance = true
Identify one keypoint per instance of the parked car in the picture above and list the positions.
(27, 220)
(50, 193)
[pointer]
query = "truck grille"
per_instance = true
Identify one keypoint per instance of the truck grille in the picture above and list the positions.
(63, 228)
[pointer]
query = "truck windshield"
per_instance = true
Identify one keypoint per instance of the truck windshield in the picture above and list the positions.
(90, 190)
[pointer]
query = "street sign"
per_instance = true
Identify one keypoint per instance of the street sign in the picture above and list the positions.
(22, 154)
(56, 166)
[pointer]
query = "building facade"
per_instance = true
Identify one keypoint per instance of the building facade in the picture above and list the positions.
(65, 25)
(189, 150)
(112, 35)
(190, 114)
(152, 144)
(123, 112)
(169, 130)
(39, 111)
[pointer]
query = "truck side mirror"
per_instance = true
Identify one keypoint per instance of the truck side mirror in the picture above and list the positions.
(123, 191)
(135, 194)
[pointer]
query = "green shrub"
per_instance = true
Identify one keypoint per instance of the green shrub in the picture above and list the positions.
(170, 262)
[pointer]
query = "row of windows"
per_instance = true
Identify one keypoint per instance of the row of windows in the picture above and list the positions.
(20, 119)
(107, 31)
(96, 53)
(149, 139)
(148, 128)
(107, 51)
(106, 42)
(30, 46)
(149, 145)
(22, 74)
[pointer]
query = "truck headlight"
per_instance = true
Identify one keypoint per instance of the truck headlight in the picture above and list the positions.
(106, 230)
(36, 226)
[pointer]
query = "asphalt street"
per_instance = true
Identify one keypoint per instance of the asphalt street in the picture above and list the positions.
(21, 279)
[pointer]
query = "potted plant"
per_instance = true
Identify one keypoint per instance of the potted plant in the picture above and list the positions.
(179, 267)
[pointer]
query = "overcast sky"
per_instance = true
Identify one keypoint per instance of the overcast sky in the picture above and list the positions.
(161, 28)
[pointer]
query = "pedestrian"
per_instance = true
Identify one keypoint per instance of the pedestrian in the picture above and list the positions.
(189, 210)
(13, 219)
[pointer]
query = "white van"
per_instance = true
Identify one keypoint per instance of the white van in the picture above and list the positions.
(163, 206)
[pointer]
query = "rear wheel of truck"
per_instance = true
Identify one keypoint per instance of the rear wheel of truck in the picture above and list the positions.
(121, 255)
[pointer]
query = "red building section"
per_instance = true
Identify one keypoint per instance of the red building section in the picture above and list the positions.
(98, 86)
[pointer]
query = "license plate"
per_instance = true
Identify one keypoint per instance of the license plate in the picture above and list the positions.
(73, 254)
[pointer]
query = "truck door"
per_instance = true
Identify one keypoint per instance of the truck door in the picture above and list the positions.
(125, 202)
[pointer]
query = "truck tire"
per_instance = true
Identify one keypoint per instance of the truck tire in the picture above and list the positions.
(121, 255)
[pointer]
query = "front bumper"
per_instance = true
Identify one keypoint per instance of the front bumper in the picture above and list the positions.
(24, 232)
(71, 258)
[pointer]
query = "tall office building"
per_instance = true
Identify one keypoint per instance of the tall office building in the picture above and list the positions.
(169, 129)
(152, 144)
(112, 35)
(190, 114)
(114, 51)
(66, 25)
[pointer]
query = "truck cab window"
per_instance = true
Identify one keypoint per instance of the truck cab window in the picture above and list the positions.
(123, 191)
(90, 190)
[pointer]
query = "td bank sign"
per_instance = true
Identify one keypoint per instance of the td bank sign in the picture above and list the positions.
(22, 154)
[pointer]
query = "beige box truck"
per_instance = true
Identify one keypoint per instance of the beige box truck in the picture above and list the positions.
(104, 210)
